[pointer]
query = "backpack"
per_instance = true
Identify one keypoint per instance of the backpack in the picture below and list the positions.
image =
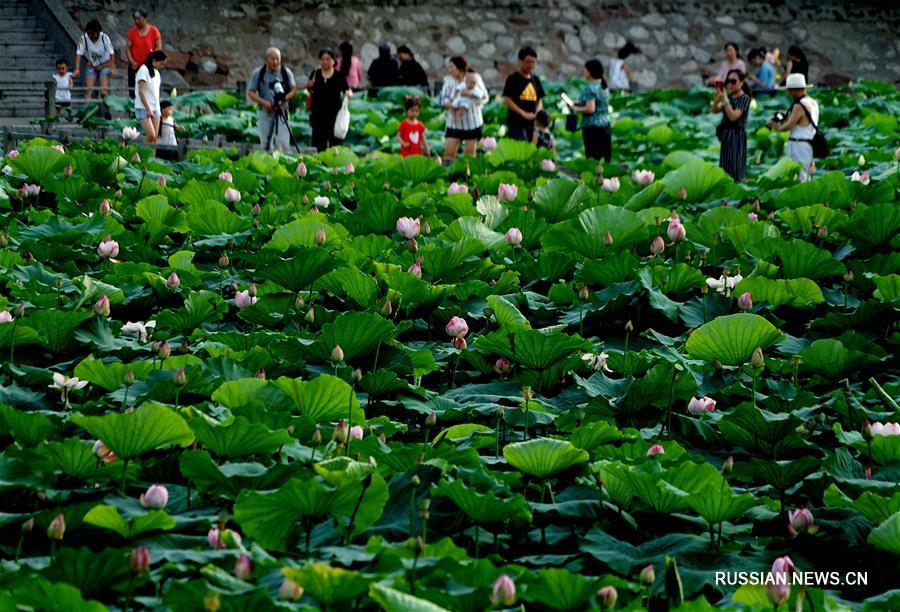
(819, 144)
(262, 71)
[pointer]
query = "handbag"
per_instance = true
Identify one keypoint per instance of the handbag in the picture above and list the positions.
(342, 121)
(720, 131)
(819, 144)
(572, 122)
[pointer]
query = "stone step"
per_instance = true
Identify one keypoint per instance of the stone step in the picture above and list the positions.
(17, 10)
(35, 74)
(18, 22)
(32, 61)
(27, 47)
(8, 35)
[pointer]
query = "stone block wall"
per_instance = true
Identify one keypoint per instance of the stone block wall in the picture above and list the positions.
(219, 43)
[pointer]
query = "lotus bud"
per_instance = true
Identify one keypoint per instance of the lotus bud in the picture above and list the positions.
(320, 236)
(251, 290)
(426, 228)
(211, 601)
(648, 576)
(382, 438)
(108, 248)
(337, 354)
(513, 237)
(489, 144)
(157, 496)
(356, 432)
(682, 193)
(136, 158)
(289, 589)
(608, 239)
(868, 473)
(501, 412)
(103, 453)
(179, 379)
(173, 282)
(163, 350)
(301, 170)
(420, 546)
(4, 241)
(717, 365)
(608, 596)
(431, 419)
(101, 306)
(5, 317)
(698, 406)
(502, 365)
(27, 526)
(105, 207)
(459, 344)
(757, 360)
(416, 268)
(848, 276)
(745, 301)
(676, 231)
(223, 260)
(527, 394)
(57, 528)
(243, 567)
(232, 195)
(822, 232)
(728, 466)
(317, 437)
(415, 480)
(801, 520)
(387, 309)
(340, 432)
(457, 327)
(424, 508)
(584, 293)
(611, 185)
(656, 449)
(412, 245)
(310, 315)
(255, 209)
(861, 160)
(226, 176)
(140, 560)
(547, 165)
(161, 180)
(658, 245)
(507, 192)
(629, 327)
(503, 592)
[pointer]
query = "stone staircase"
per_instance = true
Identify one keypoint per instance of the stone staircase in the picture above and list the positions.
(29, 58)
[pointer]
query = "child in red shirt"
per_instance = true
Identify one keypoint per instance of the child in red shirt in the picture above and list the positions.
(411, 131)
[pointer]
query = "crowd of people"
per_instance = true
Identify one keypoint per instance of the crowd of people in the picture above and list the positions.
(462, 93)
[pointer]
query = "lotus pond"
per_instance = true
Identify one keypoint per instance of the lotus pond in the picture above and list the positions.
(360, 382)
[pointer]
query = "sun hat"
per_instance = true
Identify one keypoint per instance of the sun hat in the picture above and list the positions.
(796, 81)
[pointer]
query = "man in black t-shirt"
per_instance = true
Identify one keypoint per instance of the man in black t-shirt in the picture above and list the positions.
(522, 95)
(411, 73)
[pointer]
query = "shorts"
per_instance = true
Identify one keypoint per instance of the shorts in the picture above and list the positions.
(102, 73)
(473, 134)
(142, 114)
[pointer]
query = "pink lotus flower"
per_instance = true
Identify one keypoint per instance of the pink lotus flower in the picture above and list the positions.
(753, 216)
(349, 168)
(507, 192)
(658, 245)
(140, 560)
(337, 354)
(698, 406)
(322, 201)
(863, 177)
(416, 268)
(513, 237)
(647, 575)
(224, 538)
(29, 190)
(884, 429)
(779, 588)
(57, 528)
(457, 188)
(300, 170)
(643, 177)
(14, 153)
(108, 248)
(608, 596)
(801, 520)
(340, 432)
(157, 496)
(548, 165)
(243, 299)
(232, 195)
(407, 227)
(682, 193)
(105, 207)
(130, 133)
(356, 432)
(457, 327)
(290, 590)
(489, 144)
(607, 238)
(320, 236)
(676, 231)
(243, 567)
(226, 176)
(59, 148)
(459, 344)
(103, 452)
(611, 184)
(503, 592)
(173, 282)
(101, 306)
(502, 365)
(161, 180)
(5, 316)
(656, 449)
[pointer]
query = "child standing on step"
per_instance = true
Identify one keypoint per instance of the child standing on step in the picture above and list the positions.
(167, 125)
(64, 84)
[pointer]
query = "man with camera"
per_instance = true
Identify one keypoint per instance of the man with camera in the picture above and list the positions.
(806, 142)
(271, 87)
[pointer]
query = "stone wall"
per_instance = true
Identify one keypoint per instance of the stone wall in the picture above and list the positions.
(221, 42)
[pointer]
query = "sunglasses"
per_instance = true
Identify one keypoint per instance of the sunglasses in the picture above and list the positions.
(731, 82)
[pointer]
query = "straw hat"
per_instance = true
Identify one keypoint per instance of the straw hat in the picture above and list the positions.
(796, 81)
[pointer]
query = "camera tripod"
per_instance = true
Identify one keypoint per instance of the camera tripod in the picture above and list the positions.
(279, 116)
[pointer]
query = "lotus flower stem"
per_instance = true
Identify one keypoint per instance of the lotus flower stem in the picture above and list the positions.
(753, 391)
(349, 416)
(19, 545)
(412, 511)
(526, 419)
(453, 371)
(177, 395)
(124, 475)
(887, 399)
(125, 398)
(627, 366)
(497, 441)
(12, 340)
(477, 538)
(359, 499)
(669, 405)
(129, 597)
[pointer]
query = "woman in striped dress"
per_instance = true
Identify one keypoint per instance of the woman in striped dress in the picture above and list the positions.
(467, 126)
(734, 106)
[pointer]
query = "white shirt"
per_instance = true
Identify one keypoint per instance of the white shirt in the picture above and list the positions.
(167, 132)
(808, 131)
(63, 87)
(96, 53)
(152, 90)
(617, 77)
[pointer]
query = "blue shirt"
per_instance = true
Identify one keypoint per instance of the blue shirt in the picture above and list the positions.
(766, 74)
(600, 116)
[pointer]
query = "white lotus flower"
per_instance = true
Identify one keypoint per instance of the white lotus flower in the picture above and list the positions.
(130, 133)
(138, 327)
(724, 284)
(65, 383)
(597, 362)
(322, 201)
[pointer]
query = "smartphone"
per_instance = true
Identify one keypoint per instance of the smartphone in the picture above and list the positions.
(720, 86)
(567, 99)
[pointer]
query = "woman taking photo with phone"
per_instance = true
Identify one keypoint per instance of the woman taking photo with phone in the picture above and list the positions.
(733, 101)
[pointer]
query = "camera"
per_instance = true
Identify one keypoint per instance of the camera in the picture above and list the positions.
(778, 117)
(278, 91)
